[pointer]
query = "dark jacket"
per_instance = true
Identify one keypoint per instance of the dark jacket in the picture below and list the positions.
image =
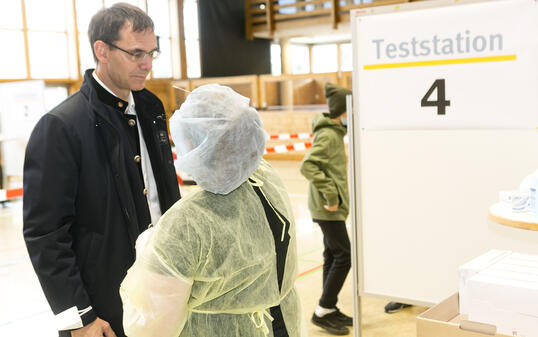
(80, 223)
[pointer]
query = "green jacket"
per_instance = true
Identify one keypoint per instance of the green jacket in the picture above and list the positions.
(325, 168)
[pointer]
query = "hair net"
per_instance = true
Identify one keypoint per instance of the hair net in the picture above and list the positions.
(219, 138)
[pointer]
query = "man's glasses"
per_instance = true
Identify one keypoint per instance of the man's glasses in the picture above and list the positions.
(138, 55)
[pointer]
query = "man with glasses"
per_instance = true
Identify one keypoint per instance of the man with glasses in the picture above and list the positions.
(98, 171)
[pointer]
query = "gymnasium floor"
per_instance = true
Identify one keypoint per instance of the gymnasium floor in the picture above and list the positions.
(25, 312)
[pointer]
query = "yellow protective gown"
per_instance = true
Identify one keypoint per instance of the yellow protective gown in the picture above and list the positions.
(209, 268)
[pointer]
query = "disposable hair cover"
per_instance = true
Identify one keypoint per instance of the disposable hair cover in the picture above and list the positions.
(219, 138)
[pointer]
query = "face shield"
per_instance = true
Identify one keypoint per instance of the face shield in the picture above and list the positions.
(219, 138)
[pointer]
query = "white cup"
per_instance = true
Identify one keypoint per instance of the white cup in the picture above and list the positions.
(520, 201)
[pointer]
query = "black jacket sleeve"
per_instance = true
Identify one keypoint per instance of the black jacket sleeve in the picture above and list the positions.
(51, 170)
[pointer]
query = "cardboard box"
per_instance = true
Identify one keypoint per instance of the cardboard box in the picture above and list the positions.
(444, 320)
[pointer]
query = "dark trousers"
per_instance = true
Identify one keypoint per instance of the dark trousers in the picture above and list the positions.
(337, 260)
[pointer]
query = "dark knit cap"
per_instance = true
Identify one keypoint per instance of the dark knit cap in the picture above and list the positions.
(336, 99)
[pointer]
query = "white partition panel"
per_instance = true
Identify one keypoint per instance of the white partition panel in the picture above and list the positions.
(445, 116)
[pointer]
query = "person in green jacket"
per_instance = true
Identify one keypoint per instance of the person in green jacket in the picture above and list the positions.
(325, 168)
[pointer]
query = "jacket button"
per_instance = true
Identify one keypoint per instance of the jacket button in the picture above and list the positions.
(150, 225)
(145, 191)
(120, 104)
(132, 122)
(137, 159)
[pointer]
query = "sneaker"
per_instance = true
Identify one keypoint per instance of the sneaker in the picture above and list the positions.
(344, 319)
(393, 307)
(331, 323)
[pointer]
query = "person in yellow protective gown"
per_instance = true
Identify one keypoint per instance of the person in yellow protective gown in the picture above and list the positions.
(222, 261)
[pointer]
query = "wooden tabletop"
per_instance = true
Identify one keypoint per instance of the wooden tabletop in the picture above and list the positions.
(502, 213)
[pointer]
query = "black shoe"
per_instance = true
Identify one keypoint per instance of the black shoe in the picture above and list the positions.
(331, 323)
(344, 319)
(393, 307)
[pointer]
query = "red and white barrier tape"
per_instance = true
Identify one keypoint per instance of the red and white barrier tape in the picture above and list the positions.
(275, 149)
(285, 136)
(287, 148)
(10, 194)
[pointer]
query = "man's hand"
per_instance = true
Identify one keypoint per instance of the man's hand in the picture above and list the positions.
(331, 208)
(97, 328)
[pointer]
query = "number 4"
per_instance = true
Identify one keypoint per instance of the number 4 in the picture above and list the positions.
(441, 103)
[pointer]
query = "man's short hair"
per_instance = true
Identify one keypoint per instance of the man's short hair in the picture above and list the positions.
(106, 24)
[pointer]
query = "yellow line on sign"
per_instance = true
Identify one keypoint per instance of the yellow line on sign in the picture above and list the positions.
(441, 62)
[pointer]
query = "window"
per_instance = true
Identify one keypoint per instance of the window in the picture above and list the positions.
(276, 59)
(158, 10)
(346, 57)
(51, 64)
(16, 57)
(11, 15)
(287, 10)
(85, 10)
(324, 58)
(52, 33)
(192, 38)
(40, 46)
(12, 37)
(300, 59)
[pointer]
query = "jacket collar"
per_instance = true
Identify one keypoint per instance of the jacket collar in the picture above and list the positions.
(104, 93)
(98, 96)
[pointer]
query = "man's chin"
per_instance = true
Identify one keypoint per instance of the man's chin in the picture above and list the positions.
(138, 86)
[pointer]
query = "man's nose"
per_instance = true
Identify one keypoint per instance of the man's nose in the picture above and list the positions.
(146, 63)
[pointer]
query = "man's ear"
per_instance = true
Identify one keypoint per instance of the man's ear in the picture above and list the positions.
(101, 51)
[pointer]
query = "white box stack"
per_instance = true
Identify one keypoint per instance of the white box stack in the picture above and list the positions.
(472, 268)
(501, 288)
